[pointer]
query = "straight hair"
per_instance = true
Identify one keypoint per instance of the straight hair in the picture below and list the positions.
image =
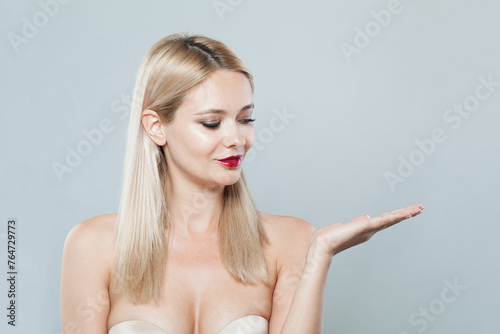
(168, 71)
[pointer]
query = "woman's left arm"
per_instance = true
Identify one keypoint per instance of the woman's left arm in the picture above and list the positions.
(303, 298)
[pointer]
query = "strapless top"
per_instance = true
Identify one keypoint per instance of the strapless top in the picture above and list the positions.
(250, 324)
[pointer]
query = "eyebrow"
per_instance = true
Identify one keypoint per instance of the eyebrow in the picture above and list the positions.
(222, 111)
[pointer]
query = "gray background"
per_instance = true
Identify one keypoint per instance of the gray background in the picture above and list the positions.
(354, 118)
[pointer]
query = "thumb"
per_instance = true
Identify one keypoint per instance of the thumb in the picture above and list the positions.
(362, 217)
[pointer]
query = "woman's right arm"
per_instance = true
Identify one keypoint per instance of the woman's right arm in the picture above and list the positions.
(86, 264)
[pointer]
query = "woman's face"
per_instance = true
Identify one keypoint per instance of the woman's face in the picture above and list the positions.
(213, 123)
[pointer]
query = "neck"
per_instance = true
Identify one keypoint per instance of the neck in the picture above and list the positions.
(194, 210)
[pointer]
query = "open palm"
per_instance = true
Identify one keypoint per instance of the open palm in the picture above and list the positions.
(336, 237)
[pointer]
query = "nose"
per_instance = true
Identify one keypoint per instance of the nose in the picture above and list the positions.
(233, 136)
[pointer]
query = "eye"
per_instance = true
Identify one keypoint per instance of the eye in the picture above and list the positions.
(216, 124)
(211, 125)
(247, 120)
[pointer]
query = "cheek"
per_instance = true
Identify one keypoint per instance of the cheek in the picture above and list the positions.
(193, 142)
(249, 138)
(200, 142)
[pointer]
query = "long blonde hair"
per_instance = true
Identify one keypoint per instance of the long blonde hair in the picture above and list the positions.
(170, 68)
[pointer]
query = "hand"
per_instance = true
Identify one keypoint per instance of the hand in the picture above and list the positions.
(336, 237)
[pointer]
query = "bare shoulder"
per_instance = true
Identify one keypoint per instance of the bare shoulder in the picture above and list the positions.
(289, 237)
(287, 228)
(93, 231)
(96, 225)
(85, 274)
(91, 238)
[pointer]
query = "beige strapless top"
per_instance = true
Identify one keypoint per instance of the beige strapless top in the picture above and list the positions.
(250, 324)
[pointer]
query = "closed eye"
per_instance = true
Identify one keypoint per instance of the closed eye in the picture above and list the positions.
(247, 120)
(211, 125)
(215, 125)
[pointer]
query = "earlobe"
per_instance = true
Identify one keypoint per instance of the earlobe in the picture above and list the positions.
(153, 126)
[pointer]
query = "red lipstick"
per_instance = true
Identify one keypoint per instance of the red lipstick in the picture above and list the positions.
(232, 161)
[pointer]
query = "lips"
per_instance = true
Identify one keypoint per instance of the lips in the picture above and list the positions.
(232, 161)
(231, 157)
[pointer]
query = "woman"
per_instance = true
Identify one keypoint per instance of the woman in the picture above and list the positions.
(188, 252)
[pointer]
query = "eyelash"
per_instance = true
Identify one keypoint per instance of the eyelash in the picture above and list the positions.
(245, 121)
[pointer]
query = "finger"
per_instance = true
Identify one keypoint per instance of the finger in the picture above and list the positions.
(393, 217)
(362, 217)
(411, 209)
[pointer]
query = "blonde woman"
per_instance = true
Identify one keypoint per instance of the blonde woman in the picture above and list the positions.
(188, 251)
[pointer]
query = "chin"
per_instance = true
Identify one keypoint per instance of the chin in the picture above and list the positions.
(230, 178)
(232, 181)
(222, 176)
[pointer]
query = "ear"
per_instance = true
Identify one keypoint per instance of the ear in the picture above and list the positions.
(152, 124)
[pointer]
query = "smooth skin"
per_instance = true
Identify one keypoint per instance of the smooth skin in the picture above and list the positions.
(200, 296)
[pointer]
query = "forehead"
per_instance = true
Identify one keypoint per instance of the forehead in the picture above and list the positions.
(226, 90)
